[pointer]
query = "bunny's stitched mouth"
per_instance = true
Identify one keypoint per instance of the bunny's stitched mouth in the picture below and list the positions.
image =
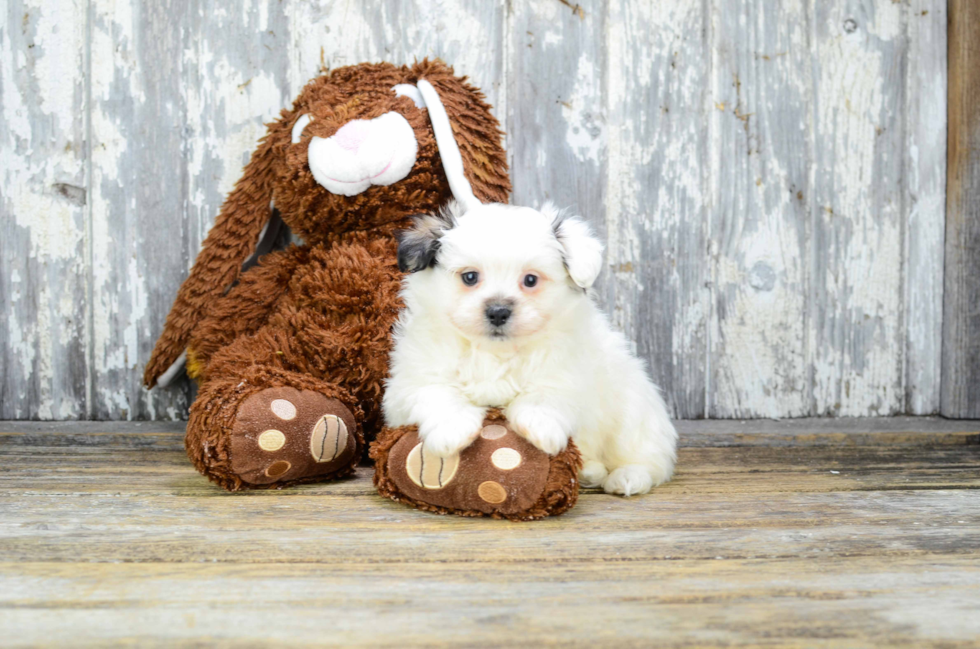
(350, 182)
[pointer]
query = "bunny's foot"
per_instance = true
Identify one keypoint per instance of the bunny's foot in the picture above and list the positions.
(284, 435)
(500, 474)
(242, 435)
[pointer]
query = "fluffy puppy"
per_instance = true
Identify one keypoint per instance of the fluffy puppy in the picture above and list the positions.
(498, 314)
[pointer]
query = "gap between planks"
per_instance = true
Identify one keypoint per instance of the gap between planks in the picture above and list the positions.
(851, 431)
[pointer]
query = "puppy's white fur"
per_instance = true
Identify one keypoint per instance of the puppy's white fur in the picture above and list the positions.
(555, 366)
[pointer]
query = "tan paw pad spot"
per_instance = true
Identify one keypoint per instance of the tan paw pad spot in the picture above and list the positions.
(492, 492)
(272, 440)
(329, 438)
(428, 470)
(283, 409)
(278, 468)
(493, 432)
(506, 459)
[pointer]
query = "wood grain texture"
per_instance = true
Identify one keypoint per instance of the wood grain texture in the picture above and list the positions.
(137, 126)
(556, 65)
(840, 602)
(468, 35)
(961, 325)
(656, 208)
(925, 204)
(769, 178)
(856, 341)
(149, 463)
(44, 241)
(114, 538)
(760, 176)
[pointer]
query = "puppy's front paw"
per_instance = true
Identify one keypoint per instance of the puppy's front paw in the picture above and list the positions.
(540, 427)
(451, 434)
(592, 473)
(628, 480)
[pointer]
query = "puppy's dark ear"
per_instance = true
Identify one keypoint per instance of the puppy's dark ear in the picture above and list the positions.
(417, 249)
(418, 246)
(581, 251)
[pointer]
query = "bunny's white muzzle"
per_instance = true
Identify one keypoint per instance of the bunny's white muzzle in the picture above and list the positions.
(363, 153)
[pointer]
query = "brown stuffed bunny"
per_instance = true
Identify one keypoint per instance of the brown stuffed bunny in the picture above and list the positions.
(291, 354)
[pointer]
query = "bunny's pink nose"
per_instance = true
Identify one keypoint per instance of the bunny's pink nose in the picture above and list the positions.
(352, 135)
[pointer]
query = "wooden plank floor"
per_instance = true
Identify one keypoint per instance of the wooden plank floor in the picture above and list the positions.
(847, 533)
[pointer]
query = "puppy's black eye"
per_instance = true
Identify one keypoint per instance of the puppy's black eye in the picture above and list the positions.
(530, 281)
(470, 278)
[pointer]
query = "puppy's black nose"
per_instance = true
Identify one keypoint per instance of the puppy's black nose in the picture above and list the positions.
(498, 314)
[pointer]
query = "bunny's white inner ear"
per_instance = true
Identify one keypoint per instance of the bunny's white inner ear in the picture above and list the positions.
(410, 91)
(298, 127)
(174, 371)
(452, 160)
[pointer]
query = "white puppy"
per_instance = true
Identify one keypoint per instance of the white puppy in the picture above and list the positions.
(497, 314)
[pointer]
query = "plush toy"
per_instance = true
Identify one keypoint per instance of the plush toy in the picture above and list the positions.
(291, 353)
(500, 474)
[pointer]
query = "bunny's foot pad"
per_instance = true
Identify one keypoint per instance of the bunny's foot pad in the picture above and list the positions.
(499, 475)
(284, 435)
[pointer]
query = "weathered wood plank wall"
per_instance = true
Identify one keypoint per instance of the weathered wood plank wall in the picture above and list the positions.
(961, 353)
(44, 235)
(769, 176)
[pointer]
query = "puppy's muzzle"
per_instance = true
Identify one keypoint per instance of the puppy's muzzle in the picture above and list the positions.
(498, 314)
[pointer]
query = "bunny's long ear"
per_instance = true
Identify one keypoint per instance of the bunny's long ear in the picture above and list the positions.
(476, 131)
(229, 243)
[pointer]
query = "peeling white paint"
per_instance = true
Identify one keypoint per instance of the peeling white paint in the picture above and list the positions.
(241, 106)
(655, 195)
(925, 203)
(857, 354)
(720, 290)
(112, 39)
(585, 128)
(42, 231)
(889, 23)
(468, 36)
(330, 35)
(60, 34)
(757, 352)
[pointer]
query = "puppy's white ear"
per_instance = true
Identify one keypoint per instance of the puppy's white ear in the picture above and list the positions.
(419, 245)
(581, 251)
